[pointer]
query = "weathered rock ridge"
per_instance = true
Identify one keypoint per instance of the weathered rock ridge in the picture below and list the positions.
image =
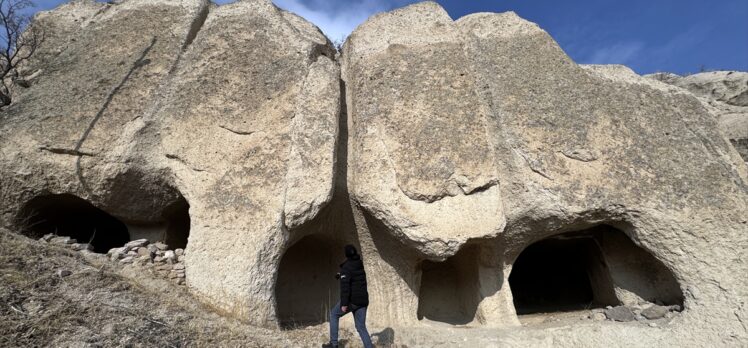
(469, 160)
(725, 95)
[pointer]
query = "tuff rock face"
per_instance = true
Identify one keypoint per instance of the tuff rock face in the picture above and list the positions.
(233, 109)
(464, 158)
(725, 95)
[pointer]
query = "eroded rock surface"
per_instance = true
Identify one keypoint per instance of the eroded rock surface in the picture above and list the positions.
(249, 126)
(562, 147)
(142, 106)
(461, 147)
(725, 95)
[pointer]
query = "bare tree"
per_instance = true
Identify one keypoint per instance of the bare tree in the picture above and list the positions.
(18, 42)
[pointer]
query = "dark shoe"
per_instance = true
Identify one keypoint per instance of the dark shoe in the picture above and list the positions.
(329, 345)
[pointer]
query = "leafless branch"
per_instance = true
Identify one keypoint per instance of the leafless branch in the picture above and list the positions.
(18, 42)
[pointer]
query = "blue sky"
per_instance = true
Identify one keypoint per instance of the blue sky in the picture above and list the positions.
(681, 36)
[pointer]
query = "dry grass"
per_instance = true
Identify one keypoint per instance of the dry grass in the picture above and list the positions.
(99, 305)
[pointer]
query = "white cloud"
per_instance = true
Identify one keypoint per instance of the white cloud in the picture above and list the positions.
(336, 24)
(621, 53)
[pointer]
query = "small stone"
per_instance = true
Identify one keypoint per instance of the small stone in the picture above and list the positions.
(134, 244)
(63, 240)
(143, 251)
(608, 307)
(675, 308)
(652, 324)
(152, 248)
(620, 313)
(158, 259)
(170, 257)
(178, 267)
(163, 268)
(23, 83)
(180, 281)
(116, 253)
(127, 260)
(597, 316)
(655, 312)
(180, 258)
(160, 245)
(179, 251)
(107, 329)
(132, 253)
(81, 247)
(143, 260)
(47, 237)
(669, 315)
(173, 275)
(63, 273)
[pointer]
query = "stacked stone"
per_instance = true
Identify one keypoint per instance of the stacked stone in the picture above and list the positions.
(66, 241)
(156, 256)
(165, 263)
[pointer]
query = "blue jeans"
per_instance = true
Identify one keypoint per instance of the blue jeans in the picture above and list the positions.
(359, 317)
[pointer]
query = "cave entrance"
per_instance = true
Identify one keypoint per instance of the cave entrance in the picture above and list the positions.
(68, 215)
(449, 290)
(177, 217)
(306, 287)
(560, 274)
(591, 268)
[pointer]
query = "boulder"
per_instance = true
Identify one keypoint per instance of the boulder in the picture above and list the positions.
(96, 79)
(249, 125)
(471, 140)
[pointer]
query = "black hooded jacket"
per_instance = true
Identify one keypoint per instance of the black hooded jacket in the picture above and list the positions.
(353, 283)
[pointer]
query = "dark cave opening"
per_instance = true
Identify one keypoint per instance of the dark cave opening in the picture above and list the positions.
(560, 274)
(596, 267)
(449, 290)
(177, 217)
(68, 215)
(306, 287)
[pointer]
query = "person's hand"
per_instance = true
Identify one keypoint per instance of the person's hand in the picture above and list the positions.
(344, 309)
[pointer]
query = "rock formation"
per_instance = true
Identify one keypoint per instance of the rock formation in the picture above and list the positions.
(447, 116)
(725, 95)
(483, 174)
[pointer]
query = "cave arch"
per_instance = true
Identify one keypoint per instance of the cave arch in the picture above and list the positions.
(72, 216)
(595, 267)
(306, 287)
(449, 291)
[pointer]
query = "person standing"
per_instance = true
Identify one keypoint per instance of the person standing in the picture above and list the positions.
(354, 297)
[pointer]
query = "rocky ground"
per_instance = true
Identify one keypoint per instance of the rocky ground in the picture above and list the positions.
(54, 296)
(56, 293)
